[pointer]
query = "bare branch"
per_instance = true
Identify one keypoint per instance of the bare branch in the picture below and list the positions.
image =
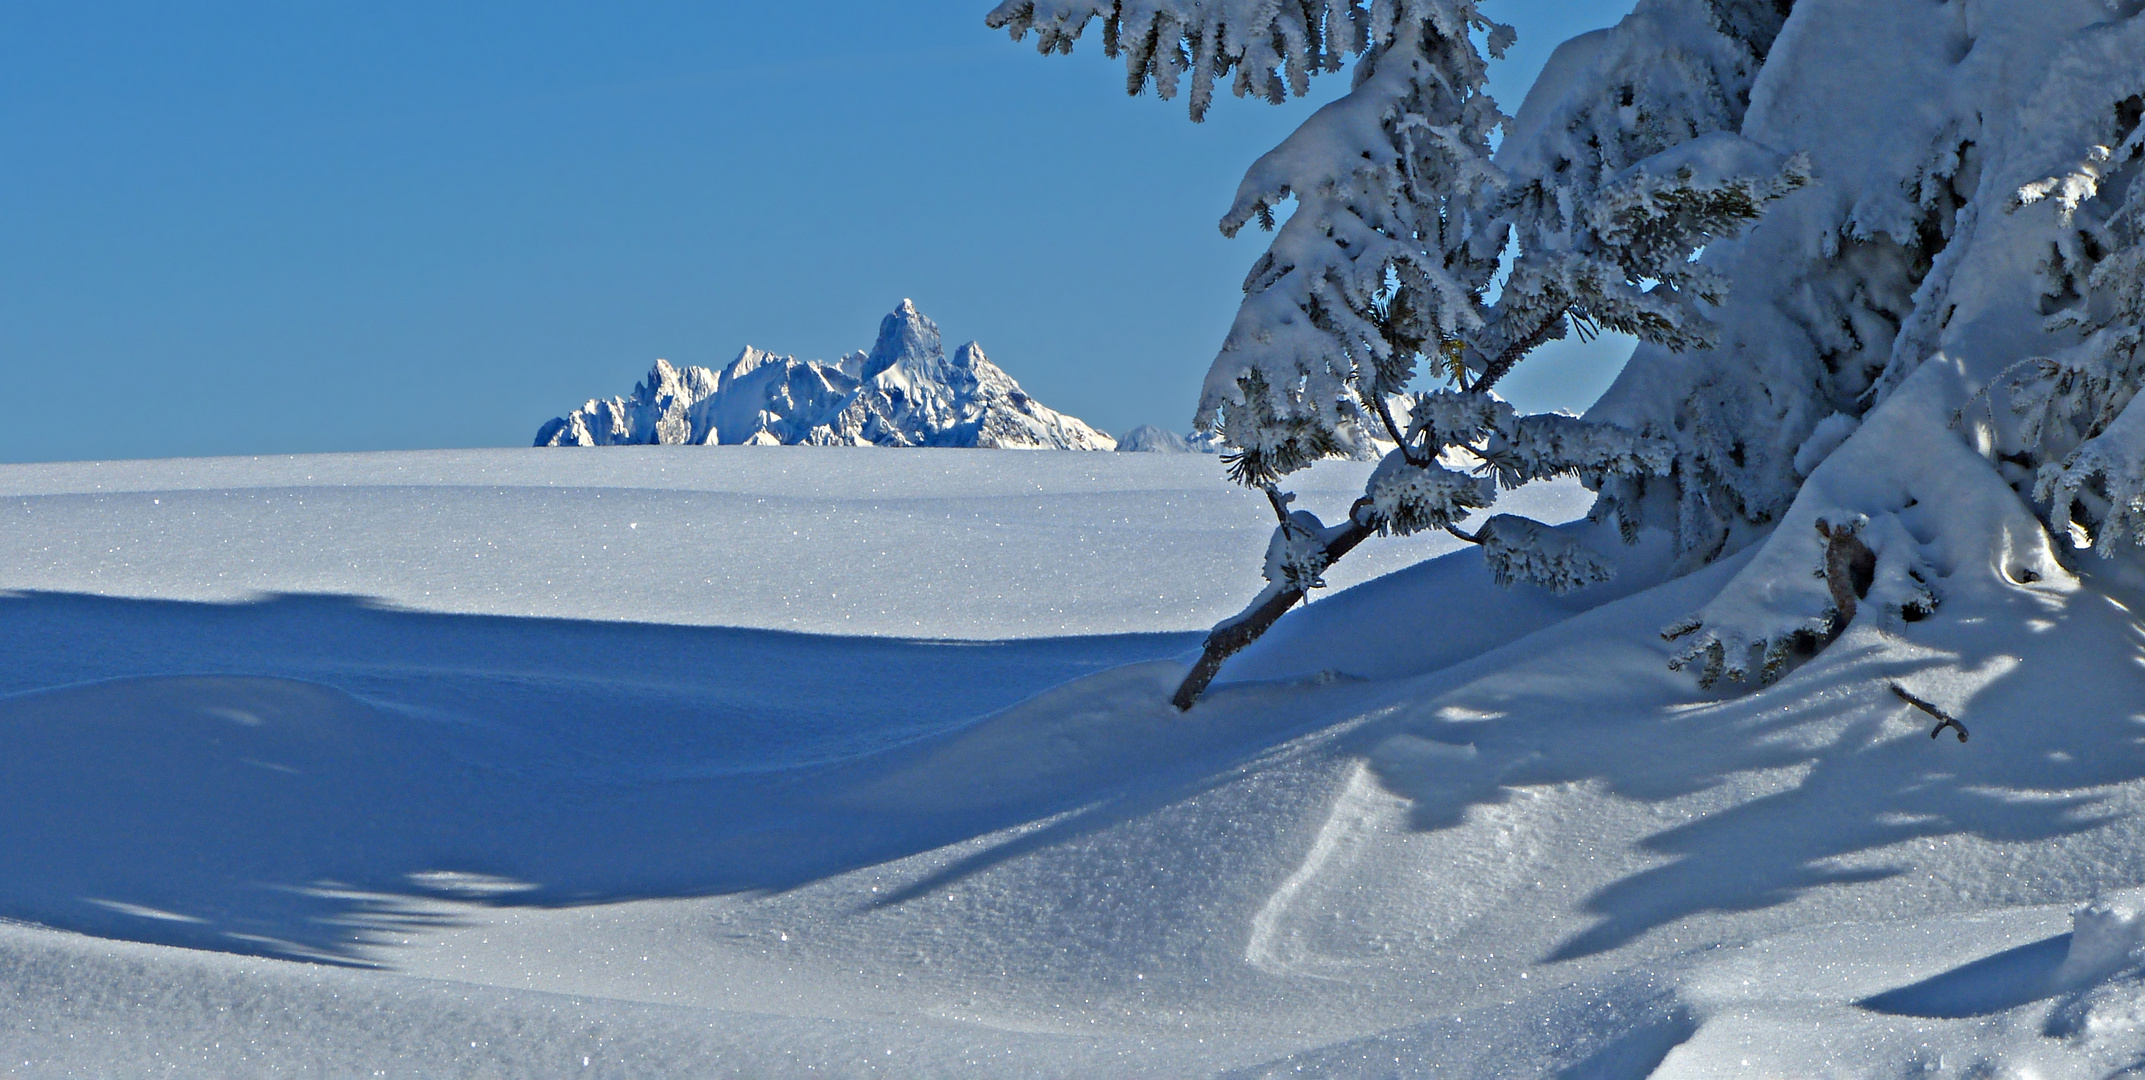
(1517, 351)
(1944, 719)
(1385, 413)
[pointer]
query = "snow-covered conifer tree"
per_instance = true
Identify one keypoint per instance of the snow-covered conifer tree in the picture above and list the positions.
(1880, 255)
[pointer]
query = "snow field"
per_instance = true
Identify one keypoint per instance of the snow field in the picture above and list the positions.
(253, 836)
(944, 544)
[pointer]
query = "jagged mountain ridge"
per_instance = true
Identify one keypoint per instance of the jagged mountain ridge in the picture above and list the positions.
(1150, 439)
(905, 392)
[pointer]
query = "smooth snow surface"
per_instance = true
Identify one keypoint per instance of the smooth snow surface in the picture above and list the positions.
(925, 542)
(534, 763)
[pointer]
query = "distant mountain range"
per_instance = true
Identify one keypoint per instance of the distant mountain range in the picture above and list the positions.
(904, 392)
(1148, 438)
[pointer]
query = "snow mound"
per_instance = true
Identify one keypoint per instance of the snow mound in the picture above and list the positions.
(904, 392)
(2107, 937)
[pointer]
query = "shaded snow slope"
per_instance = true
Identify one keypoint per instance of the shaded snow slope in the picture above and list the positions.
(324, 833)
(904, 392)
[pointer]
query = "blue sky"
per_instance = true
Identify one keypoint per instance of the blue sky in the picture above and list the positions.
(236, 228)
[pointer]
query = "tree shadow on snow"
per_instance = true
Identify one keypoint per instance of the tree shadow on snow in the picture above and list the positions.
(1844, 785)
(300, 777)
(306, 776)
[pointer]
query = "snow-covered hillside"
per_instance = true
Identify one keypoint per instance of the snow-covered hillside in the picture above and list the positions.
(904, 392)
(818, 761)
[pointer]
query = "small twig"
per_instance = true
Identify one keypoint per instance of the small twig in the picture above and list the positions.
(1944, 719)
(1279, 501)
(1516, 351)
(1385, 413)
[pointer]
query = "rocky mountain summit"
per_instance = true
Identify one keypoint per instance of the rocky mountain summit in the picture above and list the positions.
(1149, 439)
(904, 392)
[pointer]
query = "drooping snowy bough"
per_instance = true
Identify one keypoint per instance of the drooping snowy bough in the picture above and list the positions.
(1879, 254)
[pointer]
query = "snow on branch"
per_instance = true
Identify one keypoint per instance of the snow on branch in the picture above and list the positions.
(1406, 497)
(2071, 189)
(1654, 214)
(1402, 214)
(1296, 555)
(2103, 481)
(1455, 418)
(1280, 430)
(1548, 445)
(1522, 549)
(1272, 47)
(2073, 414)
(1384, 256)
(1624, 260)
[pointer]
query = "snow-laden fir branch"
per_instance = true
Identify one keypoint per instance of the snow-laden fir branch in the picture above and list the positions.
(1831, 224)
(1401, 216)
(1392, 251)
(2073, 419)
(1267, 49)
(1519, 549)
(1386, 254)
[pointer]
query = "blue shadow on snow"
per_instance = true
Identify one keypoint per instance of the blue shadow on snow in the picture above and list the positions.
(288, 777)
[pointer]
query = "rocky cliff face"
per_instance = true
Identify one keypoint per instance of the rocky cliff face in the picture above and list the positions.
(905, 392)
(656, 413)
(1150, 439)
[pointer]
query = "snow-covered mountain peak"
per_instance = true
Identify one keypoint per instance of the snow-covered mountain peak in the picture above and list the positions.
(922, 398)
(905, 334)
(748, 361)
(668, 380)
(904, 392)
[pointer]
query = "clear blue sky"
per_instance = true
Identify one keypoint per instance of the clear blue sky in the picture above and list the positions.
(235, 228)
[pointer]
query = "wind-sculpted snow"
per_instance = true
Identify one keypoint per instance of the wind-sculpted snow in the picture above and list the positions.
(469, 833)
(904, 392)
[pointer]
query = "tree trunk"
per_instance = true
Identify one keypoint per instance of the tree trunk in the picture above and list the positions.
(1231, 635)
(1850, 568)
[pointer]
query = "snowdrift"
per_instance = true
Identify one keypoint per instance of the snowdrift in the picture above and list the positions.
(298, 780)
